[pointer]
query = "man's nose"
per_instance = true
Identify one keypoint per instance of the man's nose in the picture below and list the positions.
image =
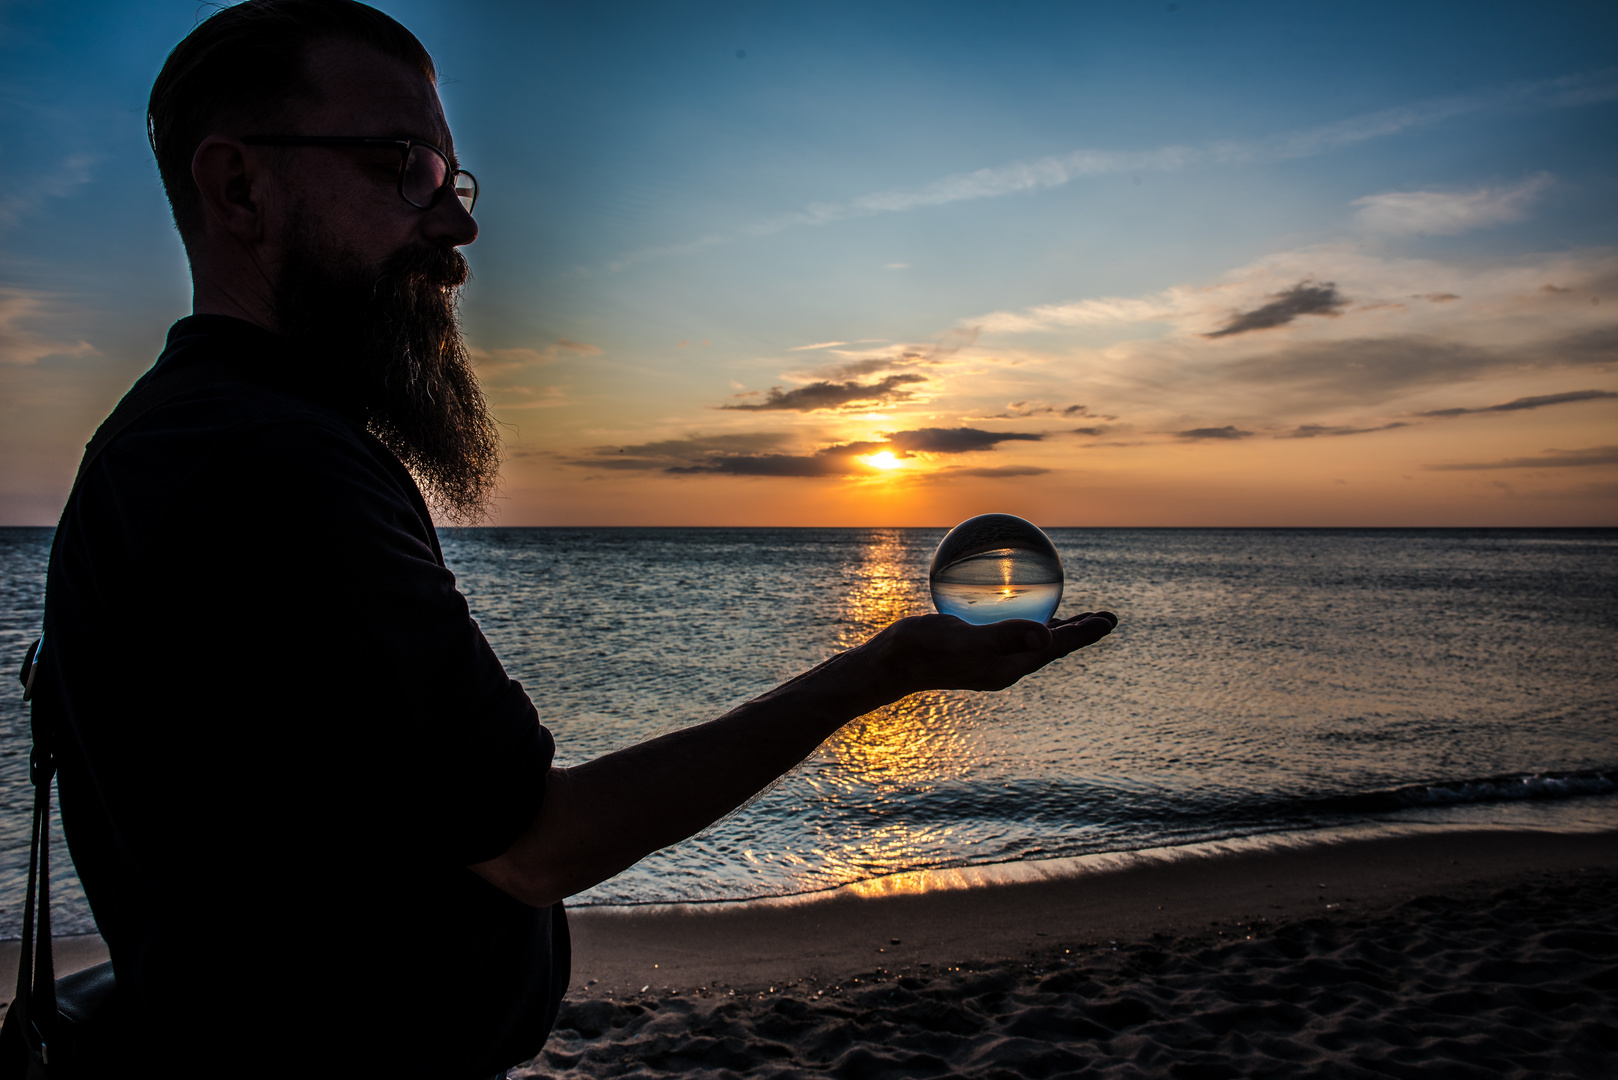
(449, 223)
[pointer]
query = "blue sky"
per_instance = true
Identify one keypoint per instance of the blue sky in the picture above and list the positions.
(732, 251)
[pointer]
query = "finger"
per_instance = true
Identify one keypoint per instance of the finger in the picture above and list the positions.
(1075, 619)
(1087, 632)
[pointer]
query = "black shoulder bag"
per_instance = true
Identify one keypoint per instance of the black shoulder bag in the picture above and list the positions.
(69, 1028)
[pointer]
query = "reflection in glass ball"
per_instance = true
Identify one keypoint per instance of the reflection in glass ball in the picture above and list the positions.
(995, 567)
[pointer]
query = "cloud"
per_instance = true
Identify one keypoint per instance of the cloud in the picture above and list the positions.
(760, 453)
(1017, 177)
(1367, 369)
(1227, 432)
(960, 440)
(21, 345)
(997, 471)
(1303, 298)
(1311, 431)
(817, 345)
(494, 361)
(1440, 213)
(1536, 402)
(1022, 410)
(1091, 432)
(829, 395)
(71, 173)
(1550, 459)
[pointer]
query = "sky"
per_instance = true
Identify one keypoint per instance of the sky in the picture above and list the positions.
(1093, 263)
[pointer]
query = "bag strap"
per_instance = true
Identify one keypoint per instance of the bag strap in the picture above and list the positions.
(35, 999)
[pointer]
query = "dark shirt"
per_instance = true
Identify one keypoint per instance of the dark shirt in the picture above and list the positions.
(284, 739)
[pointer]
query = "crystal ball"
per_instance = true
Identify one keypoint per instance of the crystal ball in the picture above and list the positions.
(995, 567)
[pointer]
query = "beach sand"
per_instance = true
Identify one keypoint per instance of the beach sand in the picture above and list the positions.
(1434, 954)
(1441, 954)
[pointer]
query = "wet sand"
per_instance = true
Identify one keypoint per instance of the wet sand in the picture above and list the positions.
(1442, 954)
(1450, 954)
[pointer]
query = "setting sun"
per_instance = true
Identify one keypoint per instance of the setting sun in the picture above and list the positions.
(884, 460)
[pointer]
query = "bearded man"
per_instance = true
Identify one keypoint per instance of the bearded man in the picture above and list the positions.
(318, 825)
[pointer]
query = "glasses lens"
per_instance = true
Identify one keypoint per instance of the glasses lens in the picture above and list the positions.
(466, 190)
(425, 172)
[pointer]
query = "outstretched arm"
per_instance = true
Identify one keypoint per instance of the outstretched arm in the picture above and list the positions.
(603, 816)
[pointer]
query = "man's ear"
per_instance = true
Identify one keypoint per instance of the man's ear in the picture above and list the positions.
(232, 181)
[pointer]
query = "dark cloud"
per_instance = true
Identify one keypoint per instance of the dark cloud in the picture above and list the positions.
(960, 440)
(1091, 431)
(660, 455)
(769, 465)
(1310, 431)
(1226, 432)
(830, 395)
(757, 453)
(1538, 402)
(1076, 410)
(1304, 298)
(746, 442)
(1550, 459)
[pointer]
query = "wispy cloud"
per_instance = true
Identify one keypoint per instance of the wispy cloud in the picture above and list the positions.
(1018, 177)
(1550, 459)
(19, 344)
(1314, 431)
(1438, 213)
(1538, 401)
(494, 361)
(67, 176)
(996, 472)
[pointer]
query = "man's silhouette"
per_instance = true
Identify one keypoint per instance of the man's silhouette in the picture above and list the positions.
(317, 824)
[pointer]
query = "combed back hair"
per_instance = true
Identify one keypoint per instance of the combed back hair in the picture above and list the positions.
(244, 67)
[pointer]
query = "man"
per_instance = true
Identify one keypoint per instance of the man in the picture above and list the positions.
(317, 824)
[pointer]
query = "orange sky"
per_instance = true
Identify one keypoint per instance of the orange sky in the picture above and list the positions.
(1099, 265)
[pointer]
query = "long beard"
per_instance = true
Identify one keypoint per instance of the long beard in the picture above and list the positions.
(390, 337)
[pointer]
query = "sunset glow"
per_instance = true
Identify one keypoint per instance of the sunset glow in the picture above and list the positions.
(1092, 265)
(884, 460)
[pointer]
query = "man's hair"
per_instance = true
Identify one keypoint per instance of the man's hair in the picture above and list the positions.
(245, 65)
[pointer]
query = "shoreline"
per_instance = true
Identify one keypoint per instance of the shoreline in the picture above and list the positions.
(990, 913)
(1467, 953)
(827, 937)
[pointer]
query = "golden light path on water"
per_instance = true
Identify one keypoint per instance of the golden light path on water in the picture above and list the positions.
(896, 752)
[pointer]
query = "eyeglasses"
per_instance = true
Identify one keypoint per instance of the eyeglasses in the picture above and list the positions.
(425, 172)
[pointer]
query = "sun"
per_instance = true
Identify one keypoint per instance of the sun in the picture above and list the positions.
(884, 460)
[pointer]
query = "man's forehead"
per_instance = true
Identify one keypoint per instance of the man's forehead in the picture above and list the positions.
(366, 92)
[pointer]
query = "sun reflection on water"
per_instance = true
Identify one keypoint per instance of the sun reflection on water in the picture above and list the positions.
(899, 751)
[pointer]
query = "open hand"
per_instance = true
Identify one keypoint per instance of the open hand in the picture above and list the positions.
(942, 652)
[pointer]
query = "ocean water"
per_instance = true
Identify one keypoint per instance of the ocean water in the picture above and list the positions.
(1259, 682)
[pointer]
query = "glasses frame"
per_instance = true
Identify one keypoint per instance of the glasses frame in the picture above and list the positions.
(404, 146)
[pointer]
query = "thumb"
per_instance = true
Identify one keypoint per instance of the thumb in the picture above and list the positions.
(1019, 636)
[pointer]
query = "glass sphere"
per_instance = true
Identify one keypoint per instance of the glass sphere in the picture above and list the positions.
(995, 567)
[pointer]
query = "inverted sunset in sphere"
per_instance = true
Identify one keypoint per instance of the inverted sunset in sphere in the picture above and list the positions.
(995, 567)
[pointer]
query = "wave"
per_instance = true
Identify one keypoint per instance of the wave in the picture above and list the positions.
(1509, 788)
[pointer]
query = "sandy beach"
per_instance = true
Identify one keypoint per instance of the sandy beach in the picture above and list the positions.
(1437, 953)
(1452, 954)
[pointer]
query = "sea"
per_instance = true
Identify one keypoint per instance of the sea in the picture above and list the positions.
(1261, 683)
